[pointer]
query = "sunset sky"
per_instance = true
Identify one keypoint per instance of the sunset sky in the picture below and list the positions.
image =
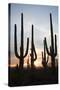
(38, 15)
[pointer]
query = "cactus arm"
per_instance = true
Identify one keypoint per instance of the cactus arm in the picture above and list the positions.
(15, 42)
(34, 53)
(47, 47)
(50, 51)
(44, 51)
(42, 56)
(27, 48)
(55, 45)
(47, 59)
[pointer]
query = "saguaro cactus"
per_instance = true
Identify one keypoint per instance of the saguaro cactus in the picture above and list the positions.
(44, 58)
(21, 56)
(33, 51)
(53, 48)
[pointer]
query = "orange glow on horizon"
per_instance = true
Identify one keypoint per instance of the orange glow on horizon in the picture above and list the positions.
(13, 65)
(37, 63)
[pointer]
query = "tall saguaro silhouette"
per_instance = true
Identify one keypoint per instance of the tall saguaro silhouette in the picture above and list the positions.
(53, 48)
(44, 58)
(21, 56)
(33, 51)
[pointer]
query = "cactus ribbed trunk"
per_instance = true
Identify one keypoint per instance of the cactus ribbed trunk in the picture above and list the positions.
(32, 55)
(22, 47)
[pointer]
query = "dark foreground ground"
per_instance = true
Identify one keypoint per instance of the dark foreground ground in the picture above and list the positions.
(27, 77)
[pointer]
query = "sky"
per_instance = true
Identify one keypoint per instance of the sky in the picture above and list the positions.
(38, 15)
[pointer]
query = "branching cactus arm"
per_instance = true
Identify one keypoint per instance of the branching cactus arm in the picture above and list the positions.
(15, 42)
(35, 53)
(47, 59)
(55, 45)
(47, 47)
(27, 48)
